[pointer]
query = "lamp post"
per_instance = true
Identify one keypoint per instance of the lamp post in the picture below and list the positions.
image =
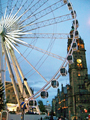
(47, 101)
(47, 105)
(23, 109)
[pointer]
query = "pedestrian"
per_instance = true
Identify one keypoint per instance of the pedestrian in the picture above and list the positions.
(59, 118)
(41, 118)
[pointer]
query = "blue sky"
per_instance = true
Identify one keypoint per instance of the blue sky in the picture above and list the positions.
(82, 8)
(83, 15)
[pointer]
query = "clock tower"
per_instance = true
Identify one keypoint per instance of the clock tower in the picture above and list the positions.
(78, 94)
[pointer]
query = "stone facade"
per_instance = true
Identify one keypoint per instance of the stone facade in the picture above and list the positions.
(78, 91)
(10, 94)
(60, 103)
(79, 88)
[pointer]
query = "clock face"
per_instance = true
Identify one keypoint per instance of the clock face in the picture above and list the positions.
(79, 60)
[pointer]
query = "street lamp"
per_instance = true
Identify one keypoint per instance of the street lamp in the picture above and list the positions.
(23, 110)
(47, 107)
(47, 101)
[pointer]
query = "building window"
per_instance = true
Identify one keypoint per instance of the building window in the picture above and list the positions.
(80, 77)
(79, 74)
(14, 98)
(8, 97)
(82, 46)
(12, 90)
(8, 90)
(79, 65)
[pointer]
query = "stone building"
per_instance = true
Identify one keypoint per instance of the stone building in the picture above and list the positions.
(11, 96)
(60, 103)
(79, 88)
(78, 91)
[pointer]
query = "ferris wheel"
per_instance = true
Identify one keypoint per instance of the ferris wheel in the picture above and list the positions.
(33, 43)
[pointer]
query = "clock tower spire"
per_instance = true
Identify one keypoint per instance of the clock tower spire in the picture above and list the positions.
(77, 90)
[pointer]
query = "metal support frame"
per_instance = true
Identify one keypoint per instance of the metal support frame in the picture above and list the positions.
(16, 72)
(11, 73)
(1, 62)
(24, 81)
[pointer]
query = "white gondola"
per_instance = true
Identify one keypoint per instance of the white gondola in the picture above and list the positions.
(44, 94)
(76, 34)
(54, 83)
(74, 46)
(65, 1)
(70, 59)
(77, 24)
(73, 13)
(69, 6)
(63, 71)
(32, 102)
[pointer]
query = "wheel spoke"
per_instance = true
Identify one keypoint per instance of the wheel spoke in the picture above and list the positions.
(44, 12)
(33, 39)
(24, 58)
(47, 35)
(48, 22)
(45, 52)
(1, 12)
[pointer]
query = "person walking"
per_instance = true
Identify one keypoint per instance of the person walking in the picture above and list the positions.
(59, 118)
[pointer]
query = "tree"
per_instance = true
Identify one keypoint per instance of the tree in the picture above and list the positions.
(2, 100)
(41, 106)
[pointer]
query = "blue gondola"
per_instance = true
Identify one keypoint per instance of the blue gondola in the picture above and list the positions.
(44, 94)
(76, 34)
(54, 83)
(76, 22)
(70, 59)
(74, 46)
(63, 71)
(73, 13)
(32, 102)
(69, 6)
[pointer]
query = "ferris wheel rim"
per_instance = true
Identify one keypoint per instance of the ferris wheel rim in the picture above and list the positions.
(48, 82)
